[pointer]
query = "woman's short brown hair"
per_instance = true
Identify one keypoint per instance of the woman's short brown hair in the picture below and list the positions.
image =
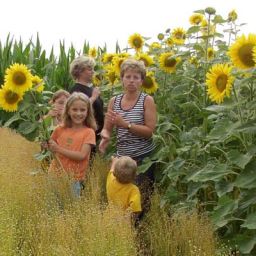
(132, 64)
(79, 64)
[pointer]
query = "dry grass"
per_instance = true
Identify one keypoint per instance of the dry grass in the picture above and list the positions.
(39, 216)
(181, 234)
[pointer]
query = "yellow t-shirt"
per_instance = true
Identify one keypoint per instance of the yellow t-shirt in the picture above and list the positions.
(127, 196)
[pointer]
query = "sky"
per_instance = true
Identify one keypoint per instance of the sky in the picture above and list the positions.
(101, 22)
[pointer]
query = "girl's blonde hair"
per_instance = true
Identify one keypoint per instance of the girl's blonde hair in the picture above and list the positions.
(132, 64)
(79, 64)
(58, 94)
(125, 169)
(89, 121)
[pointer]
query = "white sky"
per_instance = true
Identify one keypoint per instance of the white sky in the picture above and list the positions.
(107, 21)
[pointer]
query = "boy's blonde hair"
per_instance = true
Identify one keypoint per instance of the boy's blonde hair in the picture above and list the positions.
(132, 64)
(79, 64)
(89, 121)
(58, 94)
(125, 169)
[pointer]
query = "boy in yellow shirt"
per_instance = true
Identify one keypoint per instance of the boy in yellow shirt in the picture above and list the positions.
(120, 188)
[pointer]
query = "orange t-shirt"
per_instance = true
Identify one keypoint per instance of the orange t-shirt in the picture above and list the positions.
(72, 139)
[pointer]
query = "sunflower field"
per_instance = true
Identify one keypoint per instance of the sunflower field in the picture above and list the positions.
(203, 82)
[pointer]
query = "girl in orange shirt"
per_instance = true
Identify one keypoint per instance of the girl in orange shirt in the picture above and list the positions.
(72, 141)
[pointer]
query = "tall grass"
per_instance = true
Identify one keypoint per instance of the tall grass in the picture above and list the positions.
(39, 216)
(180, 233)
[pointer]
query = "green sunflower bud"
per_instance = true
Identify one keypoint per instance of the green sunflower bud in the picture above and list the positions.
(210, 10)
(160, 36)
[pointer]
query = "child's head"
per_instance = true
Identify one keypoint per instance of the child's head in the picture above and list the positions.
(59, 94)
(79, 64)
(89, 120)
(135, 65)
(125, 169)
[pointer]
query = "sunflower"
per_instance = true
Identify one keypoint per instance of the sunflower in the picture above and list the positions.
(169, 41)
(219, 82)
(155, 45)
(232, 16)
(38, 83)
(107, 57)
(241, 51)
(168, 62)
(179, 36)
(194, 61)
(204, 28)
(18, 78)
(210, 53)
(254, 53)
(196, 19)
(93, 52)
(117, 62)
(148, 61)
(111, 75)
(9, 99)
(149, 84)
(136, 41)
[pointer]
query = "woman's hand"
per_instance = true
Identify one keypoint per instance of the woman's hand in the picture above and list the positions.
(105, 138)
(95, 94)
(116, 119)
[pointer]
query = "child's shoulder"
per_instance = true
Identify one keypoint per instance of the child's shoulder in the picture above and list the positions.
(58, 128)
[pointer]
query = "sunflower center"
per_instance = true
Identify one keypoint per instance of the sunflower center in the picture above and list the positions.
(137, 42)
(145, 61)
(19, 78)
(112, 77)
(148, 83)
(197, 20)
(11, 97)
(245, 54)
(221, 82)
(180, 35)
(170, 62)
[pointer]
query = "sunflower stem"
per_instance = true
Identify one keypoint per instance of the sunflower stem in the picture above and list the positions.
(240, 117)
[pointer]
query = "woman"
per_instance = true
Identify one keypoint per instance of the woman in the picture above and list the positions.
(133, 113)
(82, 70)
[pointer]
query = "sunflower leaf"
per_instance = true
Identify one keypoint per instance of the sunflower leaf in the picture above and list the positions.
(238, 159)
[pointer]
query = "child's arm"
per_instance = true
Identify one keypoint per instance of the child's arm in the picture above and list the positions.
(114, 159)
(74, 155)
